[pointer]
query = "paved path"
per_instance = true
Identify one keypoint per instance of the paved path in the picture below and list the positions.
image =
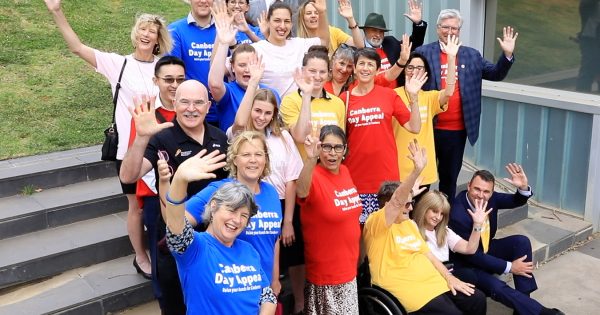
(570, 282)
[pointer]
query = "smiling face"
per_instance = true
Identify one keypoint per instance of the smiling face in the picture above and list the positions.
(342, 69)
(479, 189)
(374, 36)
(311, 17)
(365, 69)
(280, 25)
(250, 161)
(433, 217)
(165, 74)
(261, 114)
(237, 6)
(227, 223)
(331, 160)
(146, 37)
(447, 27)
(201, 8)
(191, 104)
(317, 69)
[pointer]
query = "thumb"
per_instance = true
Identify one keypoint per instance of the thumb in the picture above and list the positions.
(165, 125)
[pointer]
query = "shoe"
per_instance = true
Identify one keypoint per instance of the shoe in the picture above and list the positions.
(140, 271)
(551, 311)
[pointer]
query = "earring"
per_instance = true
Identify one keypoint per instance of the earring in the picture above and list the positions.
(156, 49)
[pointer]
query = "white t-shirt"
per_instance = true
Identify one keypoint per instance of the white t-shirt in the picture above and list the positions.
(136, 81)
(442, 252)
(281, 62)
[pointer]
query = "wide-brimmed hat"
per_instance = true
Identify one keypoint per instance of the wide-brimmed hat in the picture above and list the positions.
(375, 20)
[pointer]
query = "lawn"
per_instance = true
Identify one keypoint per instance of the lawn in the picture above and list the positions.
(50, 99)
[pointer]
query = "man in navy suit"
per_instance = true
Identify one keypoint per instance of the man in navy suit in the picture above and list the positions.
(461, 120)
(511, 254)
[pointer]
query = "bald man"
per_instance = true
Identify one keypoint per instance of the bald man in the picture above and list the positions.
(176, 141)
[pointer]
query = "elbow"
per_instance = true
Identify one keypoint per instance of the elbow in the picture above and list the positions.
(126, 176)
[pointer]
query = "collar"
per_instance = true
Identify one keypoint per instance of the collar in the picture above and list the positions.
(181, 136)
(323, 94)
(191, 20)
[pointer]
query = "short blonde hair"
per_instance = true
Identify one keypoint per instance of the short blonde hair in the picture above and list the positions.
(165, 44)
(234, 148)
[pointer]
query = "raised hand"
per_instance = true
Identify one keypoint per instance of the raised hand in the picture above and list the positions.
(508, 41)
(415, 83)
(240, 22)
(517, 176)
(256, 68)
(263, 24)
(312, 145)
(144, 117)
(415, 11)
(304, 82)
(405, 47)
(480, 213)
(452, 45)
(320, 5)
(52, 5)
(417, 155)
(200, 166)
(224, 23)
(345, 9)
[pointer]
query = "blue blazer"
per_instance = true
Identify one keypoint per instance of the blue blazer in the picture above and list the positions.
(462, 224)
(472, 68)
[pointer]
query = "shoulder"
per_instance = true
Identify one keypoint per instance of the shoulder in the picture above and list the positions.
(178, 24)
(216, 133)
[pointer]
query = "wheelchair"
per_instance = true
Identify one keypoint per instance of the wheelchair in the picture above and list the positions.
(373, 300)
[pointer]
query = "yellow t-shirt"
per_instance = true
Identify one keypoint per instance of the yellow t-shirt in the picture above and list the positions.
(429, 106)
(398, 264)
(330, 111)
(336, 38)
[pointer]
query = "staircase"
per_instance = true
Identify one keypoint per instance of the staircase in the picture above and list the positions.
(64, 247)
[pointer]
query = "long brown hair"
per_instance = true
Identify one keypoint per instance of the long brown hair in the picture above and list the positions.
(433, 199)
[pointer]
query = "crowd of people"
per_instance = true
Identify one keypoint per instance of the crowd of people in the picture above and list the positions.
(257, 140)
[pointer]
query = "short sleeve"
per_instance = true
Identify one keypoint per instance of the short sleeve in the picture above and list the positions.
(452, 238)
(109, 65)
(375, 225)
(195, 206)
(401, 112)
(294, 160)
(290, 110)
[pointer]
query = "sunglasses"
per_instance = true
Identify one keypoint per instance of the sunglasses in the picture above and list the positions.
(171, 80)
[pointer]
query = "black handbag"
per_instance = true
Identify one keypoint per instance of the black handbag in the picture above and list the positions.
(111, 135)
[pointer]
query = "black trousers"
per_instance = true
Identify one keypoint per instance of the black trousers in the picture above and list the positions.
(449, 150)
(448, 304)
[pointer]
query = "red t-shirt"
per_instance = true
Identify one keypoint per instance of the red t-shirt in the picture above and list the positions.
(142, 189)
(451, 119)
(372, 156)
(329, 216)
(379, 80)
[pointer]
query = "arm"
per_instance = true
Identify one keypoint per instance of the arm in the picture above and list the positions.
(478, 217)
(323, 27)
(413, 86)
(225, 36)
(303, 127)
(75, 45)
(313, 148)
(453, 283)
(415, 14)
(345, 10)
(395, 208)
(451, 49)
(134, 164)
(275, 284)
(242, 26)
(392, 73)
(256, 69)
(195, 168)
(287, 230)
(164, 184)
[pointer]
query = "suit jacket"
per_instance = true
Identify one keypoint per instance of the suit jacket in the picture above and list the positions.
(462, 224)
(472, 68)
(391, 45)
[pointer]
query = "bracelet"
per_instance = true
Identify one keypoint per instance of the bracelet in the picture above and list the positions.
(478, 229)
(400, 65)
(174, 202)
(353, 27)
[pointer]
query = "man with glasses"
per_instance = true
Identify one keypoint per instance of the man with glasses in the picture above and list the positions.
(388, 47)
(177, 141)
(461, 120)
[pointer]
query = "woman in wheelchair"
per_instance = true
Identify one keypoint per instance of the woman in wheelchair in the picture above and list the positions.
(401, 263)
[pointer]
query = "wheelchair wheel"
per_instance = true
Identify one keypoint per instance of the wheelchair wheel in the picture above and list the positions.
(374, 301)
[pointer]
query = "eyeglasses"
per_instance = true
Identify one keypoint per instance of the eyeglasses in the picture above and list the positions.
(411, 67)
(338, 148)
(196, 103)
(410, 204)
(448, 28)
(248, 155)
(170, 80)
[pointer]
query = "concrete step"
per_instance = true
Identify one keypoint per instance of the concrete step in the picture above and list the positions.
(95, 290)
(50, 252)
(53, 170)
(59, 206)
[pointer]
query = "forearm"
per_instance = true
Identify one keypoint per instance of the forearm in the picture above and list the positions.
(243, 112)
(252, 36)
(163, 188)
(131, 166)
(323, 28)
(450, 82)
(73, 42)
(392, 73)
(176, 213)
(302, 128)
(305, 178)
(393, 208)
(275, 276)
(357, 35)
(217, 71)
(290, 201)
(439, 266)
(415, 114)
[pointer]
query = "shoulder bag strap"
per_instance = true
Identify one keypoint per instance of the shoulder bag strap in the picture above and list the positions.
(117, 88)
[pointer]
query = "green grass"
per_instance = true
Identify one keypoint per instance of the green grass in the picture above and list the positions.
(50, 99)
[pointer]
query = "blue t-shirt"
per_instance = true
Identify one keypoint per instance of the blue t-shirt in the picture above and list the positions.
(228, 106)
(194, 46)
(217, 279)
(242, 38)
(263, 229)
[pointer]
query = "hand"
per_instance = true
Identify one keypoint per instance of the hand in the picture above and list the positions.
(508, 41)
(518, 177)
(276, 286)
(287, 234)
(52, 5)
(405, 48)
(320, 5)
(415, 11)
(312, 146)
(164, 170)
(480, 213)
(417, 155)
(451, 47)
(417, 189)
(345, 9)
(224, 23)
(239, 19)
(144, 117)
(256, 68)
(263, 24)
(413, 85)
(520, 267)
(456, 285)
(304, 82)
(200, 166)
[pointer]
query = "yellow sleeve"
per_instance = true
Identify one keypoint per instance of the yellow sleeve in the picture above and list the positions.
(434, 101)
(337, 37)
(290, 109)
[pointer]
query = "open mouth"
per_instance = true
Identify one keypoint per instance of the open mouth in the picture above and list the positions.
(191, 114)
(231, 228)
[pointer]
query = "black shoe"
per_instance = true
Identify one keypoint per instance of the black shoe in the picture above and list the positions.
(551, 311)
(140, 271)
